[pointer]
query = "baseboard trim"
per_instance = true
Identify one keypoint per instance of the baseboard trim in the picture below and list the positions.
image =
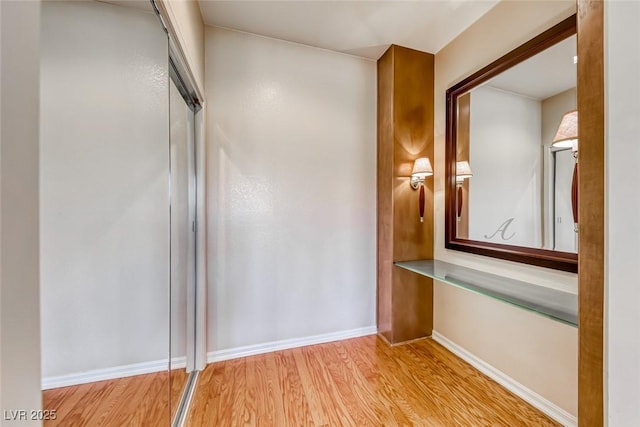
(112, 373)
(526, 394)
(252, 350)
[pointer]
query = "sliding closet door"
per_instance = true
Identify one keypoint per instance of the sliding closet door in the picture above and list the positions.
(105, 220)
(182, 243)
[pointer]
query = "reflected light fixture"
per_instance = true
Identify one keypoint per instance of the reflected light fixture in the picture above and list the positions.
(421, 169)
(463, 171)
(567, 133)
(567, 137)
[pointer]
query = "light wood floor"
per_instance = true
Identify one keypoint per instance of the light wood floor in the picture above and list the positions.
(138, 401)
(358, 382)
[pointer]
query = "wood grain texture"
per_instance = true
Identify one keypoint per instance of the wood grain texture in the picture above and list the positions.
(463, 154)
(412, 305)
(357, 382)
(384, 196)
(591, 212)
(405, 133)
(142, 400)
(413, 81)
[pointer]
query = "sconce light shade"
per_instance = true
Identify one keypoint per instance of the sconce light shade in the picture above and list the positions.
(567, 134)
(422, 168)
(463, 170)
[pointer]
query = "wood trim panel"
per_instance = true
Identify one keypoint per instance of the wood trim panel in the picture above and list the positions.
(405, 133)
(412, 138)
(385, 194)
(412, 306)
(591, 211)
(462, 153)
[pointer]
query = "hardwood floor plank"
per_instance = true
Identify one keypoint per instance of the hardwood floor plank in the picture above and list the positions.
(134, 401)
(225, 394)
(481, 398)
(364, 405)
(260, 402)
(364, 354)
(324, 388)
(273, 385)
(356, 382)
(294, 400)
(317, 412)
(409, 400)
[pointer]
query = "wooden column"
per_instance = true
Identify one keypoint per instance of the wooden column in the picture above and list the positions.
(405, 133)
(591, 213)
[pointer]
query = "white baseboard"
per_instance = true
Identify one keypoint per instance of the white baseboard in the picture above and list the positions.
(251, 350)
(526, 394)
(112, 373)
(180, 362)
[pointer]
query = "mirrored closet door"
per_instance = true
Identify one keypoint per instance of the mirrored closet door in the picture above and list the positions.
(117, 218)
(183, 227)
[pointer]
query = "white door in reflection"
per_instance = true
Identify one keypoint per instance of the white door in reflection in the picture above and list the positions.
(565, 238)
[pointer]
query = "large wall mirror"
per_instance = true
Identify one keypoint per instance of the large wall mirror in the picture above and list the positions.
(511, 155)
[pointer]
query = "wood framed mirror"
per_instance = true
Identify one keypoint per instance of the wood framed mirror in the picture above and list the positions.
(508, 175)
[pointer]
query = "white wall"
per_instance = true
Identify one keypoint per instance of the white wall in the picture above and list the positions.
(19, 270)
(539, 353)
(622, 354)
(291, 134)
(104, 187)
(505, 129)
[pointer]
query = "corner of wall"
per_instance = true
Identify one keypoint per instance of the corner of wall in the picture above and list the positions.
(19, 198)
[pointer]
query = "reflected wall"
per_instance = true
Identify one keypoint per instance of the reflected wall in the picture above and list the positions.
(104, 194)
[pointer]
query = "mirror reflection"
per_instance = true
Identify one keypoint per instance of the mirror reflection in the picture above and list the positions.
(516, 156)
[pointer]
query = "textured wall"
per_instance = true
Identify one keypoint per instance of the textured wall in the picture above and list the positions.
(19, 312)
(539, 353)
(505, 128)
(291, 134)
(104, 187)
(622, 352)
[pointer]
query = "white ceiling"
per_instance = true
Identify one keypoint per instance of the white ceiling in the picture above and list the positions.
(548, 73)
(364, 28)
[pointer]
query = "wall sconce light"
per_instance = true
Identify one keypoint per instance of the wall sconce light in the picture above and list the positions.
(567, 137)
(567, 133)
(463, 171)
(421, 169)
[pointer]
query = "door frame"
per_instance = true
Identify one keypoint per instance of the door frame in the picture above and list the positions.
(178, 60)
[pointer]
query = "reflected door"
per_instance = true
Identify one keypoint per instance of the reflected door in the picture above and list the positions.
(565, 237)
(182, 243)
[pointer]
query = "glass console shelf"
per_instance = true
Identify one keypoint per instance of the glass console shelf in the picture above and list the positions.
(552, 303)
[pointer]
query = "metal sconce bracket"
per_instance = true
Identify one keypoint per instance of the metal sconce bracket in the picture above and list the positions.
(416, 181)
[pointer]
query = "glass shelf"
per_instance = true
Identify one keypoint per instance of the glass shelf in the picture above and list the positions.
(552, 303)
